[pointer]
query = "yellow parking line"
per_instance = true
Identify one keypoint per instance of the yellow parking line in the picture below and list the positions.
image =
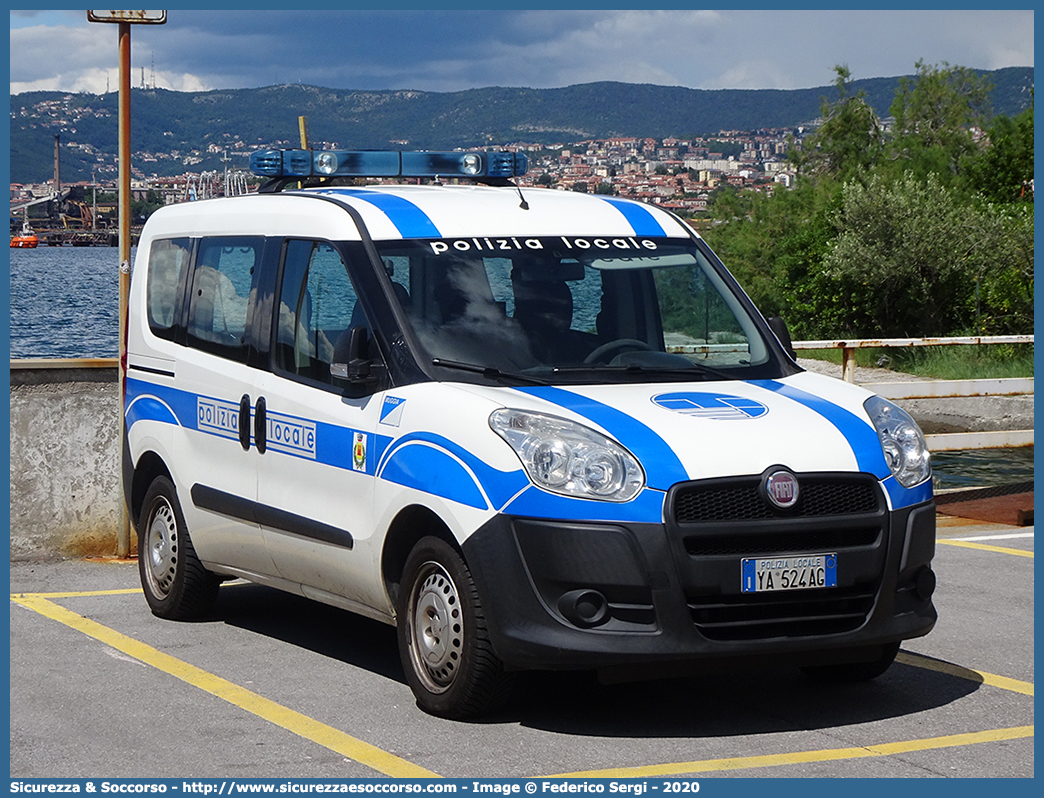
(803, 757)
(79, 593)
(992, 679)
(391, 765)
(292, 721)
(985, 547)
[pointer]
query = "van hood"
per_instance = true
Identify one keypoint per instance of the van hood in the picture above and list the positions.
(689, 431)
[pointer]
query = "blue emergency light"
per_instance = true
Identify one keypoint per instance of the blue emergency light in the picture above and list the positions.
(495, 165)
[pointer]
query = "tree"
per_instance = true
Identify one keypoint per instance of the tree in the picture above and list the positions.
(1004, 273)
(911, 259)
(925, 231)
(849, 141)
(936, 117)
(1003, 171)
(751, 233)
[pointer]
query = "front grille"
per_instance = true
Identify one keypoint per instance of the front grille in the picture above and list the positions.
(779, 542)
(715, 523)
(804, 613)
(738, 500)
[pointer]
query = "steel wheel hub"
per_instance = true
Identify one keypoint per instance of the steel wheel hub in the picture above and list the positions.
(437, 628)
(161, 549)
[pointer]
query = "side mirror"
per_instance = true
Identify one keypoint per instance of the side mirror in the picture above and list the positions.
(356, 366)
(779, 327)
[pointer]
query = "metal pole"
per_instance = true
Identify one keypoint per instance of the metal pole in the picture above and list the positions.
(57, 172)
(123, 534)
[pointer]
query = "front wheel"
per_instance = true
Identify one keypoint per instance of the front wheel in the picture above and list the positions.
(443, 642)
(176, 584)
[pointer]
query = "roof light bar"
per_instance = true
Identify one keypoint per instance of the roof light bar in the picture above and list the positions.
(387, 163)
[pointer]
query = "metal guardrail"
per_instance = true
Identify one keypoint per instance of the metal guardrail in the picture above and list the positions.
(848, 347)
(941, 389)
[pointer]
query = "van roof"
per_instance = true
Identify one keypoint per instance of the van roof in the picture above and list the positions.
(395, 212)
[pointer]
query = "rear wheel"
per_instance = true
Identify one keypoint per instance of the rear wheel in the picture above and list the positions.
(176, 584)
(443, 642)
(855, 671)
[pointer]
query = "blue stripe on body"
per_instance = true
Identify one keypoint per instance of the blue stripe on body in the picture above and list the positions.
(645, 508)
(859, 433)
(409, 220)
(907, 497)
(499, 486)
(661, 464)
(638, 216)
(334, 446)
(149, 408)
(147, 401)
(433, 471)
(861, 436)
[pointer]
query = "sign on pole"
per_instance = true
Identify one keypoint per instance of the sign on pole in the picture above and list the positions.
(144, 17)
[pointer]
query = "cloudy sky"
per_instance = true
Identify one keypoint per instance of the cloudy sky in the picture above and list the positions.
(462, 49)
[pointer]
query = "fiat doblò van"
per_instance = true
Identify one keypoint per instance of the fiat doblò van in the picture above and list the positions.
(532, 429)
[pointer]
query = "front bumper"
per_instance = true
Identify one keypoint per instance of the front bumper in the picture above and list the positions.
(572, 595)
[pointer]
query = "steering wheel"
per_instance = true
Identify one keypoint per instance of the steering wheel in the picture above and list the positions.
(621, 344)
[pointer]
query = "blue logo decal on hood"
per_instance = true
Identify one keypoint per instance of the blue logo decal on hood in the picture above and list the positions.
(715, 406)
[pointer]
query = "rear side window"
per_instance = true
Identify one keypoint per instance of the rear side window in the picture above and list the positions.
(219, 299)
(317, 309)
(168, 262)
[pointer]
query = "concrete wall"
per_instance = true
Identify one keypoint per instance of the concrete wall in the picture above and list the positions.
(64, 462)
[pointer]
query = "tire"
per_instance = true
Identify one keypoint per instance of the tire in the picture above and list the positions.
(850, 672)
(443, 642)
(176, 584)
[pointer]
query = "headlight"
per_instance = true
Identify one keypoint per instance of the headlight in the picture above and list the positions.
(568, 458)
(905, 448)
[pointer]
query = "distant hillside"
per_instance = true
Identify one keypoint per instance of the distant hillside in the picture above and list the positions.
(169, 126)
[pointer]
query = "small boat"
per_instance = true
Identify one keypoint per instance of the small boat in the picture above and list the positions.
(27, 239)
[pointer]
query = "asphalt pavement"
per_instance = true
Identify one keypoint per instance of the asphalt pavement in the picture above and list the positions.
(276, 686)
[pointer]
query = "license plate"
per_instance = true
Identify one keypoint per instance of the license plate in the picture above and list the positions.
(789, 572)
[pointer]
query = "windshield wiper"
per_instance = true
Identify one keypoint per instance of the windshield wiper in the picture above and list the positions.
(634, 368)
(489, 372)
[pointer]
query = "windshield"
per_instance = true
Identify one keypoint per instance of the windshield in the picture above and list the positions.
(562, 309)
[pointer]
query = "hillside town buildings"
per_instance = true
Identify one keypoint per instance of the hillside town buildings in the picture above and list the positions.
(672, 172)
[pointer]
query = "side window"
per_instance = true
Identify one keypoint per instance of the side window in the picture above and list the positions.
(219, 301)
(168, 260)
(317, 309)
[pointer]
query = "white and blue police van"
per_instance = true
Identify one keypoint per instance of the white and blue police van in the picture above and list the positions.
(532, 429)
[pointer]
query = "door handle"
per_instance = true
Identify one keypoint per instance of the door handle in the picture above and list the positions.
(244, 423)
(260, 425)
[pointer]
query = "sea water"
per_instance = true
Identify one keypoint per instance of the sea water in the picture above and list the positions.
(65, 302)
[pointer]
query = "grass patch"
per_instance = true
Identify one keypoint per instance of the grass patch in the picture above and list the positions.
(985, 361)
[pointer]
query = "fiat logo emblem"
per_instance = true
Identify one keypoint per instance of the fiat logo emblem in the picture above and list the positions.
(781, 489)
